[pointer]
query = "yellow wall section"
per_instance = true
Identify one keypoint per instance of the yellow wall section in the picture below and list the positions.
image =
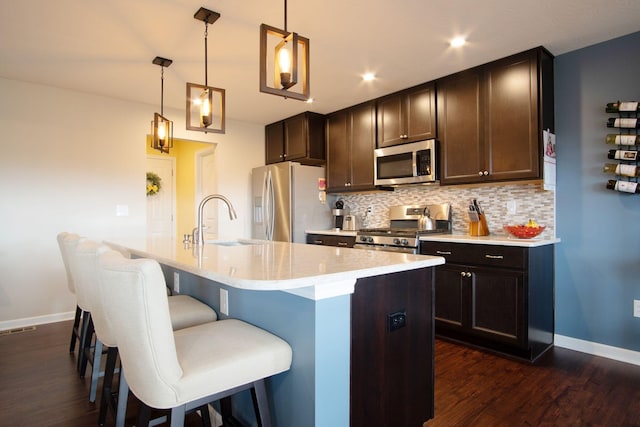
(184, 152)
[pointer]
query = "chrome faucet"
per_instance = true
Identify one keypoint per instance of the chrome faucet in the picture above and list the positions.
(197, 232)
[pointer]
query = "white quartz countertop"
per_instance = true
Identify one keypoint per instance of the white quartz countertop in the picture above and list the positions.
(502, 240)
(311, 271)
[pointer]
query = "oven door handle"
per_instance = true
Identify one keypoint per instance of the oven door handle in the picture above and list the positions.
(397, 249)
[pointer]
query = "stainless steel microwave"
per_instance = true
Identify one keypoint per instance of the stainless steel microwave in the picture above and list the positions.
(413, 163)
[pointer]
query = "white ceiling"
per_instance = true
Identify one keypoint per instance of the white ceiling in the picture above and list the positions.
(106, 46)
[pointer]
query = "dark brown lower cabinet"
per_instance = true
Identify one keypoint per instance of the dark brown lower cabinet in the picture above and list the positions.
(331, 240)
(392, 344)
(495, 297)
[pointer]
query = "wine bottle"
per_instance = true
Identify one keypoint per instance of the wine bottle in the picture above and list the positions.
(631, 156)
(621, 122)
(623, 139)
(623, 186)
(629, 106)
(620, 169)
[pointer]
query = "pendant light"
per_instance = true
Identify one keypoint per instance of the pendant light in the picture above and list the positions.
(161, 127)
(205, 104)
(289, 62)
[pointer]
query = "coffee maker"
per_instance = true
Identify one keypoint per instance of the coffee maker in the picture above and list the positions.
(338, 215)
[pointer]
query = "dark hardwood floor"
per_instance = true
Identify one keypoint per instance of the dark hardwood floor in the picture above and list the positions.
(39, 387)
(563, 388)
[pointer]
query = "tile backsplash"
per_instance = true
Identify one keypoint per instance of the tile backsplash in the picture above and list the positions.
(531, 201)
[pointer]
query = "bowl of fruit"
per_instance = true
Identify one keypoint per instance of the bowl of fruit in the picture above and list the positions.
(525, 231)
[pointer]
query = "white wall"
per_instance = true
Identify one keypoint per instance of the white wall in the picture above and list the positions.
(67, 159)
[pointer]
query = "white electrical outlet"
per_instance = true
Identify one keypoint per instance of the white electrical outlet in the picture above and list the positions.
(636, 308)
(176, 282)
(224, 302)
(511, 207)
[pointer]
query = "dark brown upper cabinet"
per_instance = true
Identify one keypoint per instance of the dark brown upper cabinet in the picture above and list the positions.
(351, 138)
(407, 116)
(300, 138)
(491, 118)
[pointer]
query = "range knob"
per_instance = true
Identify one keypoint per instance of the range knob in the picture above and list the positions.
(369, 239)
(363, 238)
(404, 242)
(396, 241)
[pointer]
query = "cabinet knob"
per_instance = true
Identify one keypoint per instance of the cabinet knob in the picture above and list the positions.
(468, 274)
(485, 173)
(465, 274)
(480, 173)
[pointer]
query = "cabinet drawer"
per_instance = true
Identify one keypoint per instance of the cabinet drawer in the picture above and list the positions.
(330, 240)
(485, 255)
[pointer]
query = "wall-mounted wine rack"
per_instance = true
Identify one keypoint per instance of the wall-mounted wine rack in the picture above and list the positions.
(625, 158)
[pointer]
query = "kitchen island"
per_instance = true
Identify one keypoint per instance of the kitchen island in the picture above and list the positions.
(360, 323)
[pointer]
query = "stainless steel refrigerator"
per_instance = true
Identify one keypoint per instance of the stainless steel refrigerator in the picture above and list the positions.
(288, 198)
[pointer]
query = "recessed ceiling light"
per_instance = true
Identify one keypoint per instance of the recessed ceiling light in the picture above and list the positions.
(458, 41)
(367, 77)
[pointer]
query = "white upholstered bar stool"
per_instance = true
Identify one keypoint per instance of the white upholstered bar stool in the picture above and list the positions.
(184, 310)
(81, 324)
(188, 368)
(75, 330)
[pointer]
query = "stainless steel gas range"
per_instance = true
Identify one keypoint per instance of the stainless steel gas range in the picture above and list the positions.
(407, 224)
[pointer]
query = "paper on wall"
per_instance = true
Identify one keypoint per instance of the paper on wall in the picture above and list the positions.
(549, 171)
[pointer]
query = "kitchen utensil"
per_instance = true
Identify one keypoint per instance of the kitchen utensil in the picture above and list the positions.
(351, 223)
(473, 213)
(426, 222)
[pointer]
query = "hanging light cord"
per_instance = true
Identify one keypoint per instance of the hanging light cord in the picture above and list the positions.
(162, 92)
(285, 16)
(206, 32)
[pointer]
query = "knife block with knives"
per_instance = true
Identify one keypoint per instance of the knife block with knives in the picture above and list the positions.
(477, 221)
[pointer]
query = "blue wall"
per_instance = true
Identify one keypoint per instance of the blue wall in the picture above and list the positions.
(598, 260)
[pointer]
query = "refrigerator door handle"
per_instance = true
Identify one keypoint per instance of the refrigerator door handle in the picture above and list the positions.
(265, 205)
(271, 208)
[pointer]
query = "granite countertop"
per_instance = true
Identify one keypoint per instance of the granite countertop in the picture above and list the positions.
(311, 271)
(502, 240)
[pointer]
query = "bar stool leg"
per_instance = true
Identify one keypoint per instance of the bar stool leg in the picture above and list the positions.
(75, 331)
(263, 415)
(85, 341)
(107, 383)
(123, 397)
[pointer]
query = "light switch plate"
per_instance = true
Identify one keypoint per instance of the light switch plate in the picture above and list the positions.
(176, 282)
(224, 302)
(636, 308)
(122, 210)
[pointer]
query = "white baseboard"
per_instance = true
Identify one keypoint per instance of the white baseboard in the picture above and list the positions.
(602, 350)
(38, 320)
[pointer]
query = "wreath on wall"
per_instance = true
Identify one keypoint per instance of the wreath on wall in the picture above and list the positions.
(153, 183)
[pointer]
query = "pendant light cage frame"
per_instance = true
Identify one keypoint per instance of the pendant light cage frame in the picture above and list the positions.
(273, 39)
(199, 117)
(161, 127)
